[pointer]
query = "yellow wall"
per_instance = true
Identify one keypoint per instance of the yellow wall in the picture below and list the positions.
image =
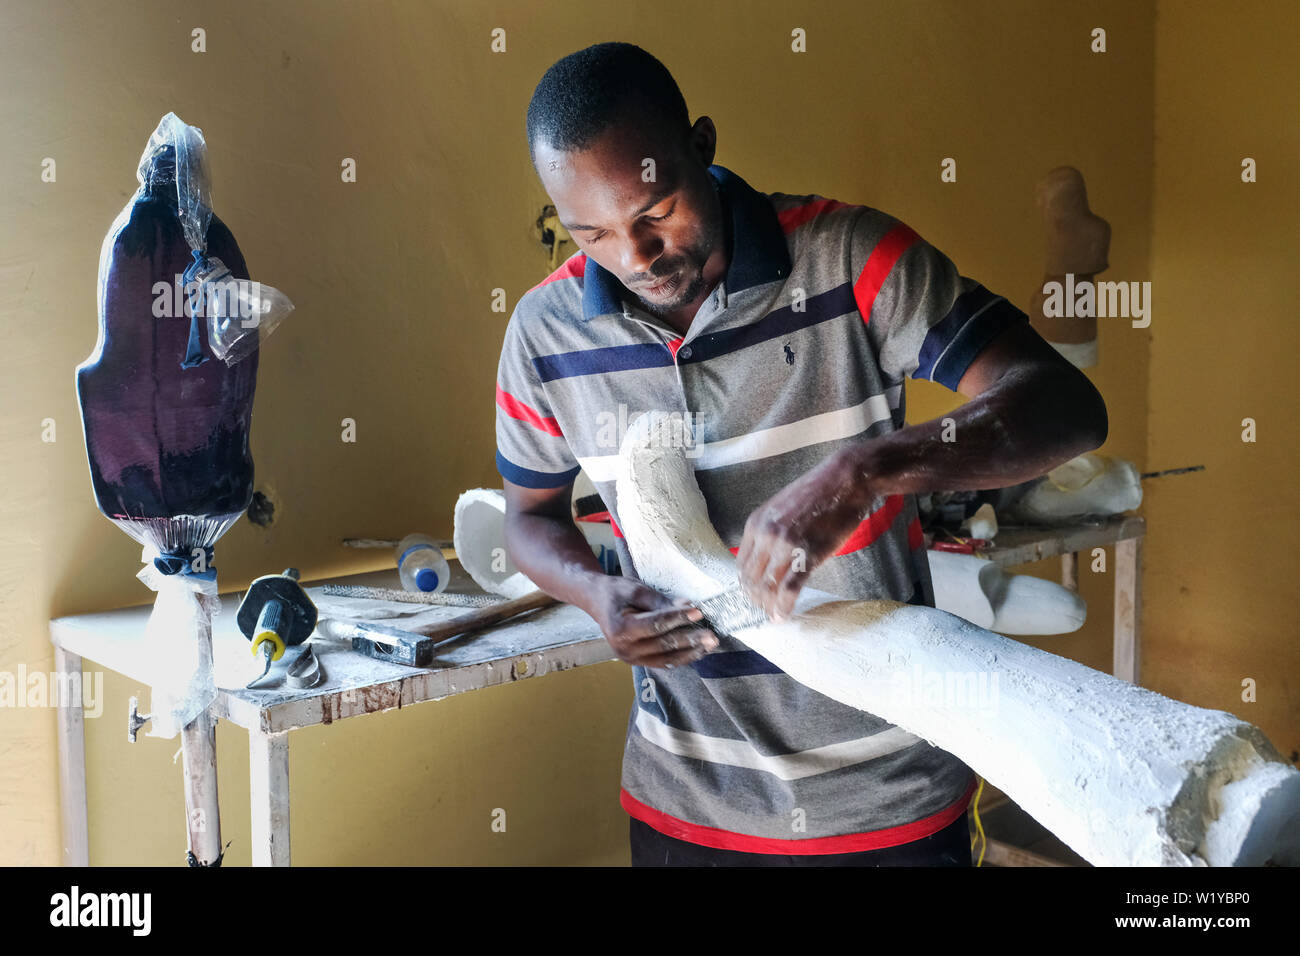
(392, 279)
(1222, 562)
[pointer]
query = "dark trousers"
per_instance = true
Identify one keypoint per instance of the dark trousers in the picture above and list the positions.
(948, 847)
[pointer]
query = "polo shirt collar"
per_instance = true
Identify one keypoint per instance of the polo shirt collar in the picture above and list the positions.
(759, 252)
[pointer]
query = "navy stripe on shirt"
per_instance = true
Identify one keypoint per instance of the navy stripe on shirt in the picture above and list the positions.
(827, 305)
(528, 478)
(613, 358)
(943, 332)
(971, 340)
(734, 664)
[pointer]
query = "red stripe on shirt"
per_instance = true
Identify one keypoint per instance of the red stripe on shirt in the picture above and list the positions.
(517, 409)
(879, 264)
(573, 267)
(791, 219)
(673, 346)
(915, 536)
(817, 846)
(872, 527)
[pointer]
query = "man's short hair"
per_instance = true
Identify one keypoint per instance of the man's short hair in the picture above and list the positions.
(587, 92)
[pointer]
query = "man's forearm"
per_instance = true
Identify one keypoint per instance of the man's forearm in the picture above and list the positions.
(553, 552)
(1022, 427)
(643, 627)
(1030, 412)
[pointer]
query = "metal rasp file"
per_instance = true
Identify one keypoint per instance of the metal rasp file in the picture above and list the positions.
(730, 611)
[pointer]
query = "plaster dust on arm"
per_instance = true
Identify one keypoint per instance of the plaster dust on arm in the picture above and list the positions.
(1121, 774)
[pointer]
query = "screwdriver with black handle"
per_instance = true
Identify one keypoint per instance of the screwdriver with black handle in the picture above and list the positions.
(274, 615)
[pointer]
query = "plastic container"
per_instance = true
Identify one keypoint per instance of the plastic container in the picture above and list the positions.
(421, 566)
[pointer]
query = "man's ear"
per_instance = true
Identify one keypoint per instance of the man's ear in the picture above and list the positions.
(703, 140)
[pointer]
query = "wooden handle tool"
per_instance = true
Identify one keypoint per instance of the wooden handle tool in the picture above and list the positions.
(416, 647)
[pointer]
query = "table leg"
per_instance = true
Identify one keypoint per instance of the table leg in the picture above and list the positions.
(202, 808)
(1070, 570)
(268, 756)
(72, 758)
(1128, 608)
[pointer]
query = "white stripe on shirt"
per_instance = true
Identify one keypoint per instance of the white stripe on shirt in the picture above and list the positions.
(777, 440)
(793, 766)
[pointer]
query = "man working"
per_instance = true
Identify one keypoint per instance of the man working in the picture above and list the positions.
(784, 327)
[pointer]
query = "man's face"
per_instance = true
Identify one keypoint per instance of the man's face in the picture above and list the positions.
(657, 237)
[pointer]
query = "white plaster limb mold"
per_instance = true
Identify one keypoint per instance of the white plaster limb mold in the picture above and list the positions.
(479, 530)
(967, 586)
(1121, 774)
(1090, 484)
(981, 592)
(479, 537)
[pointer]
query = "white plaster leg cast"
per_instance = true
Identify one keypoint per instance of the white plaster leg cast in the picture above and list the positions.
(479, 536)
(984, 594)
(1121, 774)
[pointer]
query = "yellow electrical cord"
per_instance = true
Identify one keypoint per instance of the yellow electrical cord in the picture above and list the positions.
(979, 826)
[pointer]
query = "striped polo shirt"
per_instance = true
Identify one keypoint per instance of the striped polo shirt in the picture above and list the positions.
(802, 349)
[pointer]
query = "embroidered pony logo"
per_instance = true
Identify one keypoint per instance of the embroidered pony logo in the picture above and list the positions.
(789, 355)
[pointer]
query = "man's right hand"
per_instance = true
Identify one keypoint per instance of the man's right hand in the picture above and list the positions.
(647, 629)
(642, 625)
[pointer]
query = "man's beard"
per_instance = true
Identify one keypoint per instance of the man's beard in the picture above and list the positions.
(684, 295)
(697, 257)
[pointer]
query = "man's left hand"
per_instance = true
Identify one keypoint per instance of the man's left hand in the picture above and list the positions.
(797, 529)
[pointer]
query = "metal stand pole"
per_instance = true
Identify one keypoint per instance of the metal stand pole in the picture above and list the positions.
(202, 812)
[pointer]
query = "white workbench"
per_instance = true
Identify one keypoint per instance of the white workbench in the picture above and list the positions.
(552, 639)
(1014, 546)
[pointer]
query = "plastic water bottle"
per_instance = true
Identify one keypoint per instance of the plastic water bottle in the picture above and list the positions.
(420, 564)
